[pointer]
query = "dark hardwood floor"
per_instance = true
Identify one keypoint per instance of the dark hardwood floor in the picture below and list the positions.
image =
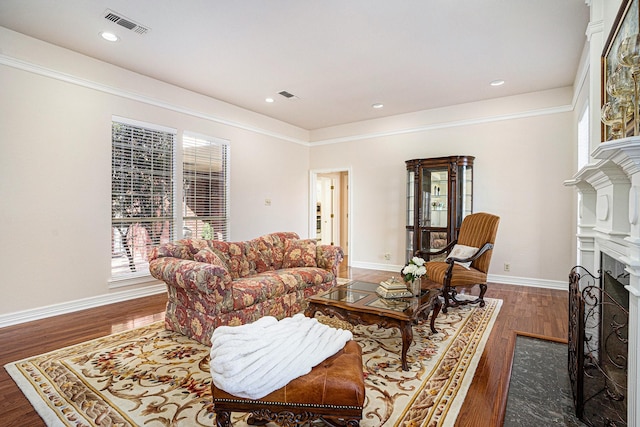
(525, 309)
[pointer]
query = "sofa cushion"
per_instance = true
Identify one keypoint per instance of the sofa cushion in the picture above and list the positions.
(278, 239)
(213, 257)
(461, 276)
(207, 255)
(299, 253)
(252, 289)
(260, 254)
(235, 257)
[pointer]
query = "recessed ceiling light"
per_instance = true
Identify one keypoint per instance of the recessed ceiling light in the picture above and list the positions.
(497, 83)
(269, 100)
(377, 105)
(109, 36)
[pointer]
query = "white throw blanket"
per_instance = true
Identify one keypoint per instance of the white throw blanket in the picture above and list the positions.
(256, 359)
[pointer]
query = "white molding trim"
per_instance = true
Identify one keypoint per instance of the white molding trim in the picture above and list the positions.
(77, 305)
(68, 78)
(493, 278)
(444, 125)
(140, 279)
(594, 27)
(580, 80)
(97, 301)
(376, 266)
(529, 281)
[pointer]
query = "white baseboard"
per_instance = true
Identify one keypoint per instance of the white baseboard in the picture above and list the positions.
(77, 305)
(494, 278)
(375, 266)
(529, 281)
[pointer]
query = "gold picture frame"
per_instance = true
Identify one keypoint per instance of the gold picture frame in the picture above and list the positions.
(626, 24)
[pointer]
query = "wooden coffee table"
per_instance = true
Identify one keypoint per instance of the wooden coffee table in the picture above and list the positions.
(357, 303)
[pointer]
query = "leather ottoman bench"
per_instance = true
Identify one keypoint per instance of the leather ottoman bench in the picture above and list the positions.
(333, 391)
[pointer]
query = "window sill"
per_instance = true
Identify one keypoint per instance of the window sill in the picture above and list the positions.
(145, 279)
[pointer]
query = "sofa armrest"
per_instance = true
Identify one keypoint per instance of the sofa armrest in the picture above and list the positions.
(329, 257)
(192, 276)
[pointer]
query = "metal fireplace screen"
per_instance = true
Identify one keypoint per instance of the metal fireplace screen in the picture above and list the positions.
(598, 347)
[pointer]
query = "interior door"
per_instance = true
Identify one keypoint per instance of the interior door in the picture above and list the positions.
(330, 208)
(326, 208)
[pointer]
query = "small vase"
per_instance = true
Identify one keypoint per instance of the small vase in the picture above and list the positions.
(416, 286)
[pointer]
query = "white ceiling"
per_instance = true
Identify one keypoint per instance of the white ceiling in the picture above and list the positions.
(337, 56)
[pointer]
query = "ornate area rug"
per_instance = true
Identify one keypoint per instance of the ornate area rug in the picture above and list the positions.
(152, 377)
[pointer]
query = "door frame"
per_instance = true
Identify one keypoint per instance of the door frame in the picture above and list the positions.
(313, 179)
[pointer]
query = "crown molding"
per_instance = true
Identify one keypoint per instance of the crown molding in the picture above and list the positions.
(451, 124)
(68, 78)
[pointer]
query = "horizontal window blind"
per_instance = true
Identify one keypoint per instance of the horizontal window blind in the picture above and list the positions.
(205, 207)
(142, 194)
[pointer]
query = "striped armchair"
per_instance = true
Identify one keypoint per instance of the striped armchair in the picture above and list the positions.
(468, 261)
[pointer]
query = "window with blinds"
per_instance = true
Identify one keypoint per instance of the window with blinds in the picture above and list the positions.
(205, 189)
(142, 194)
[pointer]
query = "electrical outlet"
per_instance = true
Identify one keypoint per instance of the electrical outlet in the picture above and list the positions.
(387, 256)
(507, 266)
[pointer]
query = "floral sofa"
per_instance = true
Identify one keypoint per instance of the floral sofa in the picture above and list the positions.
(212, 283)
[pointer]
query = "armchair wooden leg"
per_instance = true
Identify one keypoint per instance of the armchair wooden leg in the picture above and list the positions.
(449, 294)
(480, 299)
(447, 297)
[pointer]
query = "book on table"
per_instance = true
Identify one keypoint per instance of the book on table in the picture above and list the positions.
(393, 288)
(393, 284)
(399, 293)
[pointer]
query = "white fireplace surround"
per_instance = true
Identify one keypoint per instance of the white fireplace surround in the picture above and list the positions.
(609, 222)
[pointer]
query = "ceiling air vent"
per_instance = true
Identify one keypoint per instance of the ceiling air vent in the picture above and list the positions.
(288, 95)
(125, 22)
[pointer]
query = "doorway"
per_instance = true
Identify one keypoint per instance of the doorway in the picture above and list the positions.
(330, 216)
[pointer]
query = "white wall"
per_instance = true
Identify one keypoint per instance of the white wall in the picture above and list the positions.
(55, 151)
(524, 151)
(55, 167)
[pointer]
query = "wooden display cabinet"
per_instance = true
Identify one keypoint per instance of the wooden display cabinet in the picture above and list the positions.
(439, 196)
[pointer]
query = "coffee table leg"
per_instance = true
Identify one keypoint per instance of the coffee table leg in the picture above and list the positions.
(310, 310)
(407, 339)
(435, 310)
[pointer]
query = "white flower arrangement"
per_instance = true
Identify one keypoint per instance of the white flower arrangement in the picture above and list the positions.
(414, 269)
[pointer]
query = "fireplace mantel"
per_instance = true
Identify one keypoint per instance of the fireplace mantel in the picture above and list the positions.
(609, 222)
(624, 152)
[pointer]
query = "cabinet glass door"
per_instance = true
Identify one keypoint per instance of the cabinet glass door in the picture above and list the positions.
(432, 241)
(411, 205)
(434, 198)
(439, 195)
(410, 250)
(465, 192)
(411, 179)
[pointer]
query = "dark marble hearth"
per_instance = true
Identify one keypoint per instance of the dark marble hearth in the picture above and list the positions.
(539, 388)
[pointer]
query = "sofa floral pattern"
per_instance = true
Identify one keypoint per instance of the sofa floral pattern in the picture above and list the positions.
(212, 283)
